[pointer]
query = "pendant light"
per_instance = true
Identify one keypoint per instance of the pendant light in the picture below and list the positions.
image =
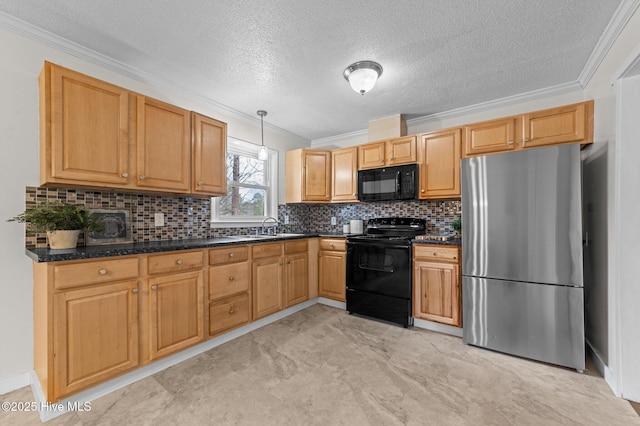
(262, 154)
(362, 76)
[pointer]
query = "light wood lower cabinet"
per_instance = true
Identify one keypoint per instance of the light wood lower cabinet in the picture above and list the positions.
(436, 284)
(97, 319)
(175, 312)
(332, 269)
(229, 289)
(86, 323)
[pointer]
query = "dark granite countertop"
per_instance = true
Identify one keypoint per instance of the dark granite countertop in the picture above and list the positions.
(93, 252)
(454, 242)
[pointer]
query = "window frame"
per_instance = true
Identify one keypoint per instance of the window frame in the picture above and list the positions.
(248, 149)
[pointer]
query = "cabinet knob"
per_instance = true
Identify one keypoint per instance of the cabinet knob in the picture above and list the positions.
(510, 143)
(331, 245)
(102, 272)
(231, 254)
(231, 311)
(179, 261)
(199, 183)
(390, 158)
(288, 262)
(154, 287)
(354, 194)
(135, 290)
(231, 278)
(382, 160)
(281, 262)
(525, 140)
(125, 175)
(422, 190)
(141, 177)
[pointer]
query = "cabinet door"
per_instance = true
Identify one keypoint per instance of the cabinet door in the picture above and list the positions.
(333, 275)
(554, 126)
(344, 167)
(371, 155)
(83, 129)
(296, 278)
(440, 164)
(490, 137)
(176, 312)
(267, 286)
(437, 292)
(317, 176)
(95, 335)
(401, 151)
(209, 156)
(163, 146)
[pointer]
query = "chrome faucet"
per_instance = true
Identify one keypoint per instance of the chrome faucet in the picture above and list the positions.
(269, 229)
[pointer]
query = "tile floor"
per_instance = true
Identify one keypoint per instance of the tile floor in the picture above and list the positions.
(322, 366)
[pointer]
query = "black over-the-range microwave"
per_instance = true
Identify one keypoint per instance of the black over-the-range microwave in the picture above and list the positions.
(388, 183)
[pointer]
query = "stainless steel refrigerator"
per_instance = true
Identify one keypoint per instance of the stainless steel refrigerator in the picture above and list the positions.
(522, 276)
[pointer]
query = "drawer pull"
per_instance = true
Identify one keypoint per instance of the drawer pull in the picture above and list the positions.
(154, 287)
(231, 254)
(135, 290)
(231, 278)
(179, 262)
(231, 311)
(102, 272)
(435, 254)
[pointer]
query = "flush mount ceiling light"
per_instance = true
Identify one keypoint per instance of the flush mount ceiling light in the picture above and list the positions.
(262, 154)
(362, 76)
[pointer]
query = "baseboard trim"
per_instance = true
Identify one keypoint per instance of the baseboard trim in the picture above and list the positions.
(16, 382)
(440, 328)
(54, 410)
(331, 302)
(604, 370)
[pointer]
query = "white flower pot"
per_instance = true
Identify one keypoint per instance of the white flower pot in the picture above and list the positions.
(63, 239)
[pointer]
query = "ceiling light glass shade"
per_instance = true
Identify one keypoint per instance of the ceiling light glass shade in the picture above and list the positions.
(263, 154)
(362, 76)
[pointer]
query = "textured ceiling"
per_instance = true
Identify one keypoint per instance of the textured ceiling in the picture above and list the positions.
(287, 56)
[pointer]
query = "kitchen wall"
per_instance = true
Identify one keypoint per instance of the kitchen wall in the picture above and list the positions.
(189, 217)
(23, 59)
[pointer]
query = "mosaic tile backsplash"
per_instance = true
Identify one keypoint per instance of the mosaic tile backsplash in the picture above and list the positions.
(187, 217)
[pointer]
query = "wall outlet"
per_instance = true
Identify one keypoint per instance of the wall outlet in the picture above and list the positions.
(333, 220)
(286, 219)
(158, 219)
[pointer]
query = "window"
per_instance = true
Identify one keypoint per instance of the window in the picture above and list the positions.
(252, 188)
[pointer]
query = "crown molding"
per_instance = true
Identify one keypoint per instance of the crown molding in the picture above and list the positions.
(618, 21)
(54, 41)
(330, 139)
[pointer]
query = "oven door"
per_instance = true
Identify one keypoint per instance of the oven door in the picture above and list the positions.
(379, 268)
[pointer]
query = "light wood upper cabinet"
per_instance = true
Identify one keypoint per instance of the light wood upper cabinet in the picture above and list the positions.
(372, 155)
(490, 137)
(393, 152)
(571, 123)
(84, 135)
(332, 269)
(308, 175)
(436, 284)
(176, 308)
(401, 151)
(344, 174)
(163, 146)
(209, 153)
(439, 154)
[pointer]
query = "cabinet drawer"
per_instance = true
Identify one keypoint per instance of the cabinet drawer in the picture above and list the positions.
(228, 313)
(333, 244)
(436, 252)
(175, 262)
(86, 273)
(228, 255)
(266, 250)
(228, 279)
(295, 246)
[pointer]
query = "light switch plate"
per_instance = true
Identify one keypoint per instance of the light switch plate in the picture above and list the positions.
(158, 219)
(286, 219)
(333, 220)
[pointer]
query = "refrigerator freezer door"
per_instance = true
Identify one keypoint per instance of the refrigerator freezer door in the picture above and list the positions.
(521, 216)
(535, 321)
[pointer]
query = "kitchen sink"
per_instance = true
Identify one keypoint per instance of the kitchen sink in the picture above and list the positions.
(264, 236)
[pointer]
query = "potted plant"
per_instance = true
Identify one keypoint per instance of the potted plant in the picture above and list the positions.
(457, 226)
(62, 222)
